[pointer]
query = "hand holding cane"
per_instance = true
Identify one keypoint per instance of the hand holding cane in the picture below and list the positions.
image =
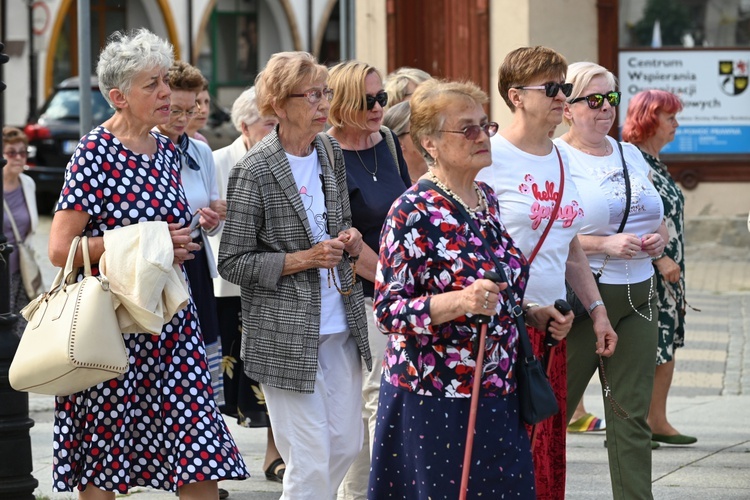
(549, 342)
(483, 321)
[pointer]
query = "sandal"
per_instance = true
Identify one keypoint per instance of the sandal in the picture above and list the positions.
(587, 423)
(275, 471)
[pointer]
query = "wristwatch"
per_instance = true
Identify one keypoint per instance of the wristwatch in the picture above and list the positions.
(594, 305)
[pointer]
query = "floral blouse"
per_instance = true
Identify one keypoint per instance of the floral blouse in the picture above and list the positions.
(427, 248)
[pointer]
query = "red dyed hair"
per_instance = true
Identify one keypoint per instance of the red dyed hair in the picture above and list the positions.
(643, 113)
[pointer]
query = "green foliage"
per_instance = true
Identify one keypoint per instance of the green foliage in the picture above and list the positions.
(673, 17)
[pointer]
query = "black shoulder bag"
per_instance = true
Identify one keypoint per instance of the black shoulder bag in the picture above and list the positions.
(536, 398)
(580, 311)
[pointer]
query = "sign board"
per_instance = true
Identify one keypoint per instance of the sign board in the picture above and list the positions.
(713, 87)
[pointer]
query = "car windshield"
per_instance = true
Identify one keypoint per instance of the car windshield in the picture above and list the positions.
(64, 105)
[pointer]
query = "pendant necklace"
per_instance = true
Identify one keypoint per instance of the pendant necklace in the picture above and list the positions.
(373, 174)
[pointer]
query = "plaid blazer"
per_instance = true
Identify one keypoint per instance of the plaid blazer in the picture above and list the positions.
(265, 221)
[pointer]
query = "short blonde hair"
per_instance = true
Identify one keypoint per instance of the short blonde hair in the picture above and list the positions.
(396, 83)
(282, 73)
(524, 64)
(429, 103)
(347, 79)
(580, 75)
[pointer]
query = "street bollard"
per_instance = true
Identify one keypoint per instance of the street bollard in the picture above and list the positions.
(16, 481)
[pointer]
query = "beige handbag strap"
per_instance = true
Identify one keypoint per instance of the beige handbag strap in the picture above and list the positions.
(13, 226)
(66, 272)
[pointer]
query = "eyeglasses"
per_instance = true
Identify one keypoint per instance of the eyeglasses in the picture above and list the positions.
(178, 113)
(472, 131)
(332, 276)
(551, 88)
(596, 101)
(314, 96)
(380, 98)
(15, 154)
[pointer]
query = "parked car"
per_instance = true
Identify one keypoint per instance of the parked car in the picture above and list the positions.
(54, 134)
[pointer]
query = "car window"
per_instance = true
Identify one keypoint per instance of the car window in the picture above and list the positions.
(64, 105)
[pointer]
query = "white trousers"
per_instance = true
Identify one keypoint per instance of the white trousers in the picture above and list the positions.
(354, 485)
(319, 435)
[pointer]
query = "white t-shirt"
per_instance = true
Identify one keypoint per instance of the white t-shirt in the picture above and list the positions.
(527, 187)
(307, 172)
(601, 182)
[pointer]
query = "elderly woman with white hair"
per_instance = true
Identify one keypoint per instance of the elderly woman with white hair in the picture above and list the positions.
(243, 397)
(141, 428)
(402, 83)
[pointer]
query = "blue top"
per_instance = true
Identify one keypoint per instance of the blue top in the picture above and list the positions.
(371, 200)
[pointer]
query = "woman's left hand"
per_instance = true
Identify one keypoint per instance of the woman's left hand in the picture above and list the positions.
(220, 207)
(209, 218)
(652, 244)
(668, 268)
(352, 240)
(547, 318)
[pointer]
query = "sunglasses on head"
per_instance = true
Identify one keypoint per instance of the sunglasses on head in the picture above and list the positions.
(550, 88)
(380, 98)
(596, 101)
(471, 132)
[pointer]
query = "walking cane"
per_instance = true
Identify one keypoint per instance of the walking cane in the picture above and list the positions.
(481, 320)
(549, 353)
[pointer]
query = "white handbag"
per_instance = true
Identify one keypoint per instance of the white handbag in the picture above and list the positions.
(72, 340)
(31, 275)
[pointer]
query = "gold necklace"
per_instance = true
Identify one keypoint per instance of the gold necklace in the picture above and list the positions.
(373, 174)
(480, 195)
(606, 149)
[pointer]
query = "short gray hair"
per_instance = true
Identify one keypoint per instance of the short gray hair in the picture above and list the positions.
(127, 54)
(245, 109)
(397, 117)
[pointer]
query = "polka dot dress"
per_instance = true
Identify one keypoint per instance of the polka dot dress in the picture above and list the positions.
(157, 425)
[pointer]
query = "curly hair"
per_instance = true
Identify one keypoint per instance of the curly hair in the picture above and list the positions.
(126, 55)
(184, 76)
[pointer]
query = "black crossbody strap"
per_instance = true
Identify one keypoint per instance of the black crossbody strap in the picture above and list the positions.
(515, 310)
(627, 188)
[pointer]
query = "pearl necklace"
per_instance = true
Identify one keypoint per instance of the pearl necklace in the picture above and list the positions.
(650, 295)
(480, 196)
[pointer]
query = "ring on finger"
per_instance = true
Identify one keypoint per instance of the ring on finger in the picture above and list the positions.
(486, 296)
(486, 305)
(182, 245)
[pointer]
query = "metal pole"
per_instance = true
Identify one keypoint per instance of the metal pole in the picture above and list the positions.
(84, 65)
(190, 32)
(32, 65)
(16, 465)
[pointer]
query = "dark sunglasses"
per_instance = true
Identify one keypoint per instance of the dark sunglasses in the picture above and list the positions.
(551, 88)
(472, 131)
(596, 101)
(380, 98)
